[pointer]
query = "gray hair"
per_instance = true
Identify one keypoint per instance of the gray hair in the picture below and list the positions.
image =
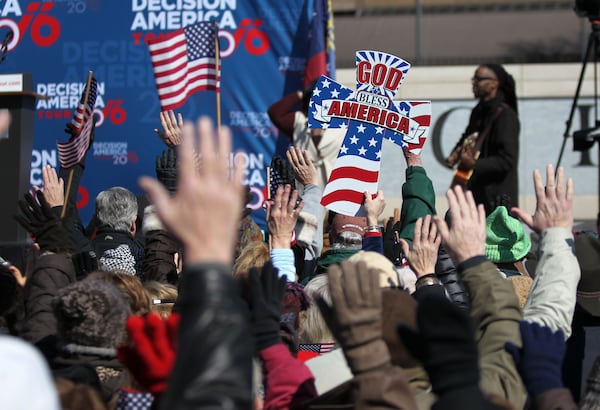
(116, 207)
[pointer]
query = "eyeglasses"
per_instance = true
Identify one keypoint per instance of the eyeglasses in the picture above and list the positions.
(478, 79)
(162, 301)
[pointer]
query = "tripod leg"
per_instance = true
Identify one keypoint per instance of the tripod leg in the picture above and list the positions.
(592, 40)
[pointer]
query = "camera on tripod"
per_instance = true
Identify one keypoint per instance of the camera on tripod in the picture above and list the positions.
(588, 8)
(584, 139)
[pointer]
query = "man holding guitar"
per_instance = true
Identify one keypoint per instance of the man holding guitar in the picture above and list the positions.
(487, 155)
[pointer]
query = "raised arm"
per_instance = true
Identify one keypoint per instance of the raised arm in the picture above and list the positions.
(551, 300)
(494, 305)
(213, 367)
(309, 229)
(283, 112)
(355, 320)
(282, 214)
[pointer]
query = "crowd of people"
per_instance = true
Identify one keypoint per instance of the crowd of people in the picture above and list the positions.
(175, 299)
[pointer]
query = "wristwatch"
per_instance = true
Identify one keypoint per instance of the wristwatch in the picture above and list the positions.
(427, 280)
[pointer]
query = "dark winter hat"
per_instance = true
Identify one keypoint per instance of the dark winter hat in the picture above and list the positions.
(506, 84)
(91, 313)
(506, 240)
(587, 250)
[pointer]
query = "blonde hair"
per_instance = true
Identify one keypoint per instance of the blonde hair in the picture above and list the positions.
(313, 328)
(162, 297)
(254, 255)
(130, 286)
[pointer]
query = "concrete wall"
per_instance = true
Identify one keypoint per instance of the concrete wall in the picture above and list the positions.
(466, 37)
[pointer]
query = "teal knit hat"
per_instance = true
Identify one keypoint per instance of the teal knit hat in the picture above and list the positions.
(506, 240)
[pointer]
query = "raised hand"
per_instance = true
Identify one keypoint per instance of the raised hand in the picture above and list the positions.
(266, 290)
(282, 215)
(302, 165)
(354, 316)
(171, 134)
(466, 237)
(554, 206)
(54, 190)
(204, 213)
(374, 207)
(422, 255)
(166, 169)
(39, 220)
(150, 354)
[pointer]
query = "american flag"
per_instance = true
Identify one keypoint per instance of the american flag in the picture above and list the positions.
(356, 169)
(275, 181)
(280, 174)
(82, 124)
(185, 62)
(319, 348)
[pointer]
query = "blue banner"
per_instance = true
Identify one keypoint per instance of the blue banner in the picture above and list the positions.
(263, 49)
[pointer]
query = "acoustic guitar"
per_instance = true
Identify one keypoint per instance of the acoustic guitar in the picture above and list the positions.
(463, 171)
(472, 144)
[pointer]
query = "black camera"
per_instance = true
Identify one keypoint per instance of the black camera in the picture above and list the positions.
(584, 139)
(588, 8)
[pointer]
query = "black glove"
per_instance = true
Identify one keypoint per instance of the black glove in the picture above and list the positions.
(84, 262)
(166, 169)
(445, 343)
(266, 295)
(39, 220)
(391, 248)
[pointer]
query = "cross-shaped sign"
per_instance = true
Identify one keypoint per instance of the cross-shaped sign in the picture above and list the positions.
(369, 116)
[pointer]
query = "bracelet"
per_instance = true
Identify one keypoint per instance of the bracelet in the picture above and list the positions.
(372, 228)
(427, 280)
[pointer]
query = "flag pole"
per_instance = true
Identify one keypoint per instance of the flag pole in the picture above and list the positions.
(268, 200)
(218, 68)
(70, 179)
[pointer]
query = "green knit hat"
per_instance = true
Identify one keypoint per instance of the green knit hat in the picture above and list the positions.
(506, 240)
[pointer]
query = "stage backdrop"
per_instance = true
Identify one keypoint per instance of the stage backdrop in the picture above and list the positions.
(263, 48)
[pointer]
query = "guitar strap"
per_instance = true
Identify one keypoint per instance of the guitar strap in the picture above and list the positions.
(488, 127)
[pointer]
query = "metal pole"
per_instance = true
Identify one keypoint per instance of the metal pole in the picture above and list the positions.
(419, 16)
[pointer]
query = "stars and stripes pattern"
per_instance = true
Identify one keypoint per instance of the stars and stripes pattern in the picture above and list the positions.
(134, 400)
(73, 151)
(275, 181)
(419, 111)
(356, 169)
(184, 63)
(319, 348)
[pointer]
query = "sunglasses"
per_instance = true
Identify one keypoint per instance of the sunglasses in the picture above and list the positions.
(478, 79)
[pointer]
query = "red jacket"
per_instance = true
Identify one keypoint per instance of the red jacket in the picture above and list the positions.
(288, 382)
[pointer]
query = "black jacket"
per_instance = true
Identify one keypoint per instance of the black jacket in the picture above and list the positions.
(51, 273)
(495, 179)
(213, 368)
(159, 251)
